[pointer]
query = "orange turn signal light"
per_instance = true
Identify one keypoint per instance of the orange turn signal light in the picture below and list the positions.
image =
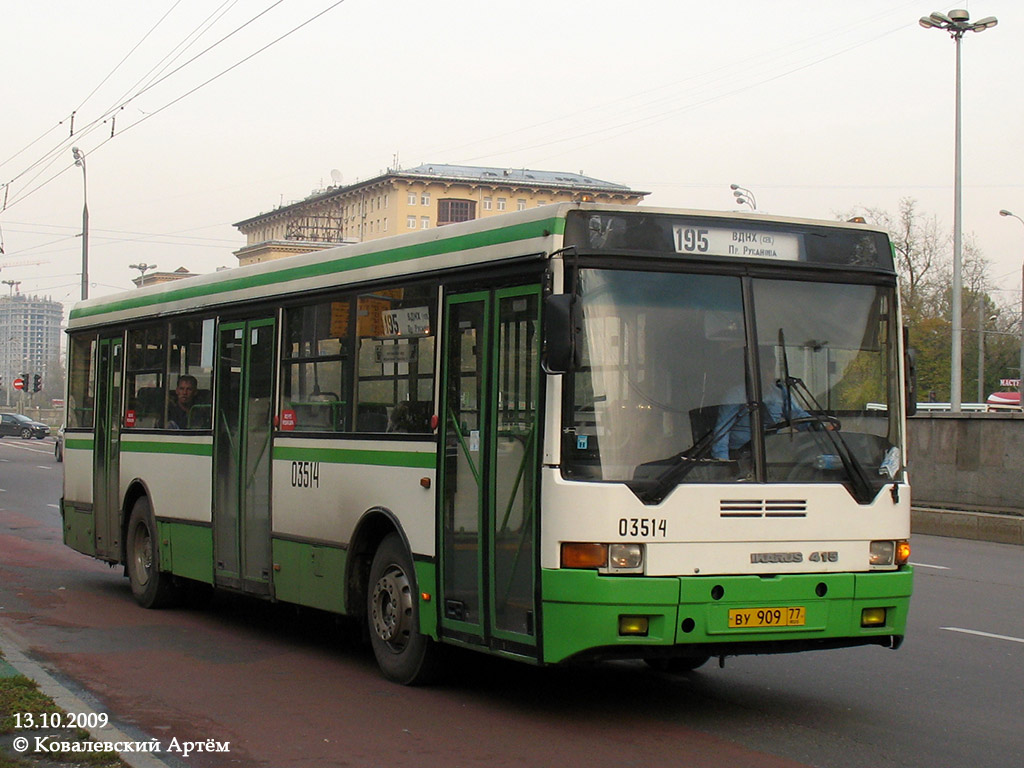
(584, 555)
(902, 552)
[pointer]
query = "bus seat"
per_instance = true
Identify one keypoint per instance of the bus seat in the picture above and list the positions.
(149, 412)
(372, 418)
(703, 421)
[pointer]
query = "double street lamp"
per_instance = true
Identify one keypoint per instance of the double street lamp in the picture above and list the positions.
(743, 196)
(143, 267)
(957, 23)
(1020, 383)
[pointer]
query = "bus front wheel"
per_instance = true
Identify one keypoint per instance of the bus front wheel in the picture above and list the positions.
(150, 587)
(403, 654)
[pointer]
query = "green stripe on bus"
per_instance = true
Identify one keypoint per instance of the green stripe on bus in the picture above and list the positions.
(78, 444)
(473, 240)
(152, 446)
(357, 456)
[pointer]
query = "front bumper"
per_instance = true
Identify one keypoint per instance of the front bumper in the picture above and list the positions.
(690, 615)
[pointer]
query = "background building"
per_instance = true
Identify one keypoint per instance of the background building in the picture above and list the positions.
(30, 343)
(156, 278)
(418, 198)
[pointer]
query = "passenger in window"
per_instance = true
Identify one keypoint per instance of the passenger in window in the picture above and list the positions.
(179, 414)
(408, 417)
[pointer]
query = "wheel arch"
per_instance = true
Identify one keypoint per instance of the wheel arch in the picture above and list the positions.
(373, 526)
(137, 489)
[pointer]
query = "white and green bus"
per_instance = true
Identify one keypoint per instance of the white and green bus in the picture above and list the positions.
(572, 433)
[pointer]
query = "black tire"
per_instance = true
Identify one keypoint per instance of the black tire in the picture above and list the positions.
(58, 454)
(150, 587)
(678, 665)
(26, 433)
(392, 614)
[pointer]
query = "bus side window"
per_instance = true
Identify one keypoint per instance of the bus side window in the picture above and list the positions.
(316, 368)
(395, 359)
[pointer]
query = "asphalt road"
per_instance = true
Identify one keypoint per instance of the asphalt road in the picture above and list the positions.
(299, 689)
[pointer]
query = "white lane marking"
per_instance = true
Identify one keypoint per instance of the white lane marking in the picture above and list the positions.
(925, 565)
(984, 634)
(18, 447)
(40, 466)
(54, 506)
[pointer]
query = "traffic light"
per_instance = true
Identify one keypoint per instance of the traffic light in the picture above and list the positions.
(37, 383)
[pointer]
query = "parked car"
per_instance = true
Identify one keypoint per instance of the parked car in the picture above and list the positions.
(17, 425)
(58, 446)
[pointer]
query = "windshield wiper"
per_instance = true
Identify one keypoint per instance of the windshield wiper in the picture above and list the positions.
(684, 462)
(862, 490)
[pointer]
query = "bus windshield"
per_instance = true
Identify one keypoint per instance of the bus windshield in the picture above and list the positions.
(681, 382)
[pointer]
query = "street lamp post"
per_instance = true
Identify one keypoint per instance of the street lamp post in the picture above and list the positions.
(957, 23)
(743, 196)
(79, 156)
(1020, 382)
(982, 322)
(143, 267)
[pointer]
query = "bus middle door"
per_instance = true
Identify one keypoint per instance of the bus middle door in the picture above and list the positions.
(242, 440)
(107, 448)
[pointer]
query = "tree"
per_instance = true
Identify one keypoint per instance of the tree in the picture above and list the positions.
(924, 263)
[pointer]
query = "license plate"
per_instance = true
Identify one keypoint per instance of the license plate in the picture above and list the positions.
(792, 616)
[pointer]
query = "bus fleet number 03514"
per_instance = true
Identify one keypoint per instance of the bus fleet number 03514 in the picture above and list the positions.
(643, 527)
(305, 474)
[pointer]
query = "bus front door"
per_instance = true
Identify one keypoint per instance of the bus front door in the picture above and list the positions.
(490, 432)
(242, 447)
(106, 501)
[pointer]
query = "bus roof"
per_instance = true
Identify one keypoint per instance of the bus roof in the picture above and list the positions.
(495, 238)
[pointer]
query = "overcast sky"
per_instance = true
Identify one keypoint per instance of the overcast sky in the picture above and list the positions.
(817, 107)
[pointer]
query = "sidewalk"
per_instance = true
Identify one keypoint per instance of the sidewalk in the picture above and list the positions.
(962, 524)
(14, 663)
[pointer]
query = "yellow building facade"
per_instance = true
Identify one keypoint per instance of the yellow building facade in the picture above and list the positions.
(400, 201)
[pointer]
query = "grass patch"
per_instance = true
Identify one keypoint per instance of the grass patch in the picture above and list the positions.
(21, 696)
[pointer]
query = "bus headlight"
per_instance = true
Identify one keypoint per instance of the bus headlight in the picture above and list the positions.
(626, 556)
(606, 558)
(882, 553)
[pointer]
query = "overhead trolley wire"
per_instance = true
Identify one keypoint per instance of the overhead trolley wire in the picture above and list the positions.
(98, 121)
(126, 99)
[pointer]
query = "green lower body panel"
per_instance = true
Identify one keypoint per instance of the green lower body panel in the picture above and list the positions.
(186, 550)
(426, 580)
(310, 574)
(582, 610)
(79, 529)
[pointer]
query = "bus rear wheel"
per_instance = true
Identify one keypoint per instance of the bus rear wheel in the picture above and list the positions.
(403, 654)
(150, 587)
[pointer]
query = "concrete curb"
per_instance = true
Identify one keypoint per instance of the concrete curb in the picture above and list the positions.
(979, 526)
(69, 702)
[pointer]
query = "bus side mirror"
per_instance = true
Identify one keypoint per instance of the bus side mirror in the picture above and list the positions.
(911, 373)
(562, 326)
